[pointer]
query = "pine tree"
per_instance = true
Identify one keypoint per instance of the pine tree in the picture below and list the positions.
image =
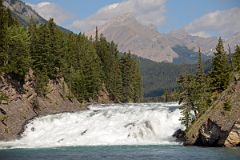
(137, 82)
(3, 40)
(236, 59)
(202, 91)
(220, 69)
(32, 31)
(128, 88)
(96, 35)
(200, 68)
(18, 51)
(53, 49)
(187, 98)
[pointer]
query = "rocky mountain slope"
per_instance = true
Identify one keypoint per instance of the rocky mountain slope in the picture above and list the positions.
(220, 125)
(24, 13)
(145, 41)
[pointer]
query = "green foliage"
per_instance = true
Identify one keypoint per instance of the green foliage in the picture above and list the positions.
(111, 67)
(132, 83)
(194, 94)
(3, 118)
(200, 90)
(161, 77)
(121, 76)
(227, 106)
(187, 98)
(3, 97)
(19, 59)
(236, 59)
(82, 70)
(220, 69)
(3, 33)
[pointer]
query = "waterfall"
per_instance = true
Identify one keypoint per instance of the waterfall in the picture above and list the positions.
(116, 124)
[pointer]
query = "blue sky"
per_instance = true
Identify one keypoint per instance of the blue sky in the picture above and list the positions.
(166, 15)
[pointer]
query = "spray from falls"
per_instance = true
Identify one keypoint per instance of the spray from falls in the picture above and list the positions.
(129, 124)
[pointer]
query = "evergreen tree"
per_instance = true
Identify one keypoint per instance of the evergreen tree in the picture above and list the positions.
(200, 68)
(3, 41)
(18, 51)
(187, 99)
(137, 82)
(127, 88)
(54, 49)
(39, 55)
(236, 59)
(110, 65)
(131, 79)
(202, 101)
(220, 69)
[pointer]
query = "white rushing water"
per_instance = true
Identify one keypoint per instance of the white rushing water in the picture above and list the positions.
(127, 124)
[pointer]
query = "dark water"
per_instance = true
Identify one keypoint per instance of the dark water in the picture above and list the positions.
(123, 153)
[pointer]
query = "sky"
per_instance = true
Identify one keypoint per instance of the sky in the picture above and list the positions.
(203, 18)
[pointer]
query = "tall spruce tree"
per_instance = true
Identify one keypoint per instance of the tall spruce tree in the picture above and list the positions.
(18, 51)
(236, 59)
(3, 40)
(127, 88)
(202, 91)
(137, 82)
(187, 98)
(220, 69)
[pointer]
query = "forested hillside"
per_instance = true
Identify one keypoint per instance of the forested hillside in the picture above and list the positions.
(88, 65)
(161, 77)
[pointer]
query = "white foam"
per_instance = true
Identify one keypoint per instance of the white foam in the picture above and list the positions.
(116, 124)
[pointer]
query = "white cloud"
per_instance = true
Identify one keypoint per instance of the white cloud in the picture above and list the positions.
(220, 23)
(51, 10)
(150, 12)
(201, 34)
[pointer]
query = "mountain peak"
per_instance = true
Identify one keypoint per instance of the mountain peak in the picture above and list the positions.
(124, 17)
(180, 33)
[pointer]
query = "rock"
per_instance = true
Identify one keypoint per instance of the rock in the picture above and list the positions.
(4, 102)
(179, 135)
(218, 126)
(22, 107)
(236, 77)
(103, 95)
(210, 134)
(233, 138)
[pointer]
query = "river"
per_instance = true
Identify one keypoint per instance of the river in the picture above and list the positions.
(117, 131)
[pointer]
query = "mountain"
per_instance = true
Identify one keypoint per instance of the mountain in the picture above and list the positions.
(24, 13)
(234, 40)
(175, 47)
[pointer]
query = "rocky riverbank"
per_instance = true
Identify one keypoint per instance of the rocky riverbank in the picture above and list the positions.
(220, 125)
(22, 103)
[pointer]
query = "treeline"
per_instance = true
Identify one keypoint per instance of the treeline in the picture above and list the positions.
(199, 91)
(160, 78)
(88, 65)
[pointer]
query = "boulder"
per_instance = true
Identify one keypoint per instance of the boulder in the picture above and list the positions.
(179, 135)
